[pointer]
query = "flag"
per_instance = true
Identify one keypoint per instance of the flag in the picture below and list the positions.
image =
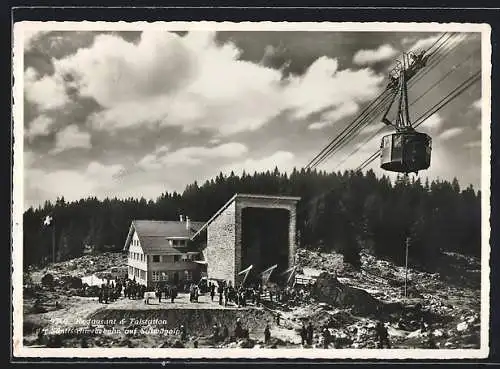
(246, 270)
(266, 274)
(290, 270)
(47, 221)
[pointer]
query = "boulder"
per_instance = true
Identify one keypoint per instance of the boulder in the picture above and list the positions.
(48, 280)
(328, 289)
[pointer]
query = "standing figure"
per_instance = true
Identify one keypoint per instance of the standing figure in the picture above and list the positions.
(326, 337)
(238, 330)
(267, 334)
(212, 291)
(382, 335)
(303, 333)
(310, 333)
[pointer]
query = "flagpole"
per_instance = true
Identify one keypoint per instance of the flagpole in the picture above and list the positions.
(53, 241)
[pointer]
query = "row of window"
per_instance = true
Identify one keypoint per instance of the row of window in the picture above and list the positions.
(136, 256)
(158, 276)
(160, 258)
(175, 259)
(137, 273)
(178, 243)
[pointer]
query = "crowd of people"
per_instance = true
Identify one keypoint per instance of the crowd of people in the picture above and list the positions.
(225, 294)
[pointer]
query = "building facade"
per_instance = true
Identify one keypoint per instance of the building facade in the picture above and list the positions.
(161, 252)
(228, 251)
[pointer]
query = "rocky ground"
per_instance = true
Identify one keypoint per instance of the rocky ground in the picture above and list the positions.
(449, 302)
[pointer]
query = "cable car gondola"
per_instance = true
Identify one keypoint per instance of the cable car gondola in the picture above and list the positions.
(406, 151)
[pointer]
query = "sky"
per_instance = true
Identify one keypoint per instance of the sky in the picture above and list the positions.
(139, 113)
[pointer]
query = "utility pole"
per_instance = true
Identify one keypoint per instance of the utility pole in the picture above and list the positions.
(407, 243)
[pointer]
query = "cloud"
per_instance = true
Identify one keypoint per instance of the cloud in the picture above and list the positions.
(473, 144)
(424, 43)
(284, 160)
(47, 92)
(365, 57)
(433, 123)
(448, 43)
(318, 125)
(40, 126)
(71, 137)
(324, 86)
(477, 104)
(450, 133)
(96, 179)
(190, 156)
(196, 83)
(408, 40)
(372, 128)
(30, 37)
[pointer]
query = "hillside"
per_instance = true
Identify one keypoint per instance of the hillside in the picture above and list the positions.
(448, 301)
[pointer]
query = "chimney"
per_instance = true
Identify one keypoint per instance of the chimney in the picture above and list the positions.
(188, 223)
(181, 218)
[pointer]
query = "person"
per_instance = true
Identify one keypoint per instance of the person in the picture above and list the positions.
(165, 290)
(105, 294)
(195, 344)
(326, 337)
(423, 325)
(40, 336)
(267, 334)
(382, 335)
(225, 332)
(310, 332)
(303, 333)
(278, 317)
(212, 291)
(216, 332)
(238, 330)
(183, 333)
(173, 293)
(220, 290)
(191, 293)
(158, 293)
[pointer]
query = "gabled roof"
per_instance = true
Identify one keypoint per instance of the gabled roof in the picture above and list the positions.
(154, 234)
(272, 198)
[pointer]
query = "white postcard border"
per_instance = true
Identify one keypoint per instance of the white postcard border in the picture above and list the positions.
(171, 353)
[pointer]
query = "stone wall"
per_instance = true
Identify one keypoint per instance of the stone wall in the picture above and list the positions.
(220, 251)
(269, 204)
(224, 236)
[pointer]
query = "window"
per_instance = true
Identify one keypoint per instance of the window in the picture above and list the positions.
(189, 257)
(156, 276)
(156, 258)
(178, 243)
(164, 276)
(188, 275)
(176, 258)
(130, 271)
(166, 259)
